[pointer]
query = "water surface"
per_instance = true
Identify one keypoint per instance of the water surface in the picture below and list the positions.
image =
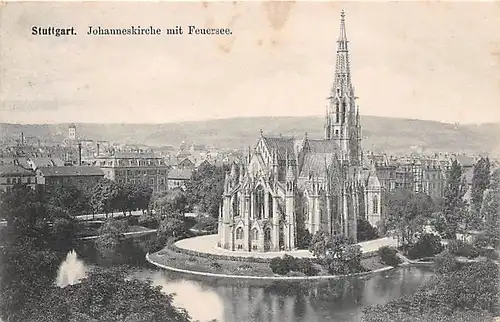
(262, 301)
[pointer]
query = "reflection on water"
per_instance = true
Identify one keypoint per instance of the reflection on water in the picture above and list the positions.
(233, 300)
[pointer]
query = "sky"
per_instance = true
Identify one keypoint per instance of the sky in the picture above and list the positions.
(434, 61)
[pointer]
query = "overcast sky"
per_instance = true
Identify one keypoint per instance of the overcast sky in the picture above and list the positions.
(435, 61)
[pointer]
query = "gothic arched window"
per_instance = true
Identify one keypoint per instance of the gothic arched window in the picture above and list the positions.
(270, 205)
(239, 233)
(255, 234)
(375, 204)
(267, 234)
(337, 112)
(235, 205)
(259, 202)
(344, 108)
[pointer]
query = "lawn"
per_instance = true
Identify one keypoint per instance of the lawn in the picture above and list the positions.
(179, 260)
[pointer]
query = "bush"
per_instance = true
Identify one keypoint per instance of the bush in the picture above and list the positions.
(388, 256)
(206, 223)
(133, 221)
(427, 245)
(304, 238)
(245, 266)
(365, 231)
(155, 244)
(460, 248)
(148, 221)
(446, 263)
(215, 265)
(287, 264)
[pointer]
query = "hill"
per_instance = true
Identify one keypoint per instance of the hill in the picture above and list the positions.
(392, 135)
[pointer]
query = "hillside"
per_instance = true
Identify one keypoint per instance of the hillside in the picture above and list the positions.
(379, 133)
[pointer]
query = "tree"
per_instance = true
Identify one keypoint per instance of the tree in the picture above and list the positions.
(105, 197)
(142, 196)
(454, 294)
(490, 213)
(172, 226)
(126, 198)
(28, 262)
(365, 231)
(106, 295)
(67, 198)
(453, 215)
(480, 182)
(337, 253)
(320, 244)
(407, 214)
(111, 233)
(29, 266)
(172, 202)
(206, 187)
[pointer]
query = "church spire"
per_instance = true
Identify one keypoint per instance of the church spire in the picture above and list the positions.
(342, 68)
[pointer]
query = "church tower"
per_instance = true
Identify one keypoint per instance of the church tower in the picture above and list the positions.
(342, 122)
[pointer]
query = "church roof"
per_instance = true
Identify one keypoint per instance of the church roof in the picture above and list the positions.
(322, 146)
(316, 163)
(282, 145)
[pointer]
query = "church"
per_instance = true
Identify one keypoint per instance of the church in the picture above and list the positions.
(287, 184)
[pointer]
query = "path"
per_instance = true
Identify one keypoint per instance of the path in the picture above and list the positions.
(208, 244)
(149, 231)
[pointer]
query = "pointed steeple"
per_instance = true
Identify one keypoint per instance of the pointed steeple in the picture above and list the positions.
(343, 67)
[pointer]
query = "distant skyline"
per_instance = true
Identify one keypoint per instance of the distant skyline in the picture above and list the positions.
(435, 61)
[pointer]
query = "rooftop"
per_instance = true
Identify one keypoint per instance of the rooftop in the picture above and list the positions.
(71, 171)
(180, 174)
(14, 170)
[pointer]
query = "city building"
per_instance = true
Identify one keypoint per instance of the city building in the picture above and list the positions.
(134, 168)
(11, 174)
(82, 177)
(72, 132)
(177, 178)
(319, 184)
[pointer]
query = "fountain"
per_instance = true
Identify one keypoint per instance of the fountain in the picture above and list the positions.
(71, 271)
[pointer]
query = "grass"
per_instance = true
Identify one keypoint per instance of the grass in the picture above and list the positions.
(201, 264)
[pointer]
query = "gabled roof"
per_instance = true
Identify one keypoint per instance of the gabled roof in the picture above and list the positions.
(70, 171)
(321, 146)
(282, 145)
(186, 160)
(9, 170)
(46, 162)
(15, 161)
(316, 163)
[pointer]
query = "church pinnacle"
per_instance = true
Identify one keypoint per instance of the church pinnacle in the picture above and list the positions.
(343, 67)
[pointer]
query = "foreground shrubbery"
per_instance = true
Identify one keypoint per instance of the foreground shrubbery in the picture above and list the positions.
(31, 254)
(337, 254)
(463, 249)
(466, 292)
(287, 264)
(388, 256)
(427, 245)
(365, 231)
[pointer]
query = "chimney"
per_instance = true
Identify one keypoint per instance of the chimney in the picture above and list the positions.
(97, 154)
(79, 154)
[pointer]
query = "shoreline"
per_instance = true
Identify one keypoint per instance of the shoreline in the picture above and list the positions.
(269, 278)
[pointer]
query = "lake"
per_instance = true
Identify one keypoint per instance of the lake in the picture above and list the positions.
(263, 301)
